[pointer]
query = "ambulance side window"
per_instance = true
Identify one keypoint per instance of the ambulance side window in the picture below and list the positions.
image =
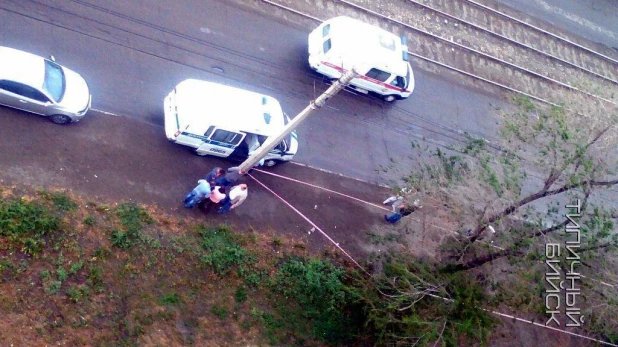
(326, 30)
(326, 46)
(209, 131)
(378, 75)
(226, 136)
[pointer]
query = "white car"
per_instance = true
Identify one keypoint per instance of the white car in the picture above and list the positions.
(38, 85)
(227, 122)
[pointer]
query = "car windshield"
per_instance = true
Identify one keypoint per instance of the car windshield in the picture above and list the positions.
(54, 82)
(408, 77)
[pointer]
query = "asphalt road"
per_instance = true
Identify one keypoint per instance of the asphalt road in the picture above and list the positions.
(133, 53)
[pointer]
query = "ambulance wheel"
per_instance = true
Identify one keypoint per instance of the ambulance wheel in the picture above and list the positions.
(60, 119)
(389, 98)
(271, 162)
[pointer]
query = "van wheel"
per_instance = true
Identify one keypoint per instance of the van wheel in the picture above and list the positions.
(389, 98)
(194, 151)
(60, 119)
(271, 162)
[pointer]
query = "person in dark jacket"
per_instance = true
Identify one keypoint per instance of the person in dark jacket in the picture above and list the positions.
(233, 174)
(402, 210)
(213, 175)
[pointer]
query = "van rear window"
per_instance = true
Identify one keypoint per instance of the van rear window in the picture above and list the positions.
(326, 30)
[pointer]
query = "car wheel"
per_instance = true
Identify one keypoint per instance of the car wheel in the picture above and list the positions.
(389, 98)
(60, 119)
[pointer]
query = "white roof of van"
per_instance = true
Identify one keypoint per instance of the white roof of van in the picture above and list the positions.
(369, 44)
(202, 104)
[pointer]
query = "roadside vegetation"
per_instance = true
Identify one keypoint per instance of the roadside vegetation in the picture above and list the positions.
(87, 273)
(518, 185)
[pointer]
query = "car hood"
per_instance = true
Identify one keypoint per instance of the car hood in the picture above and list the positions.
(76, 96)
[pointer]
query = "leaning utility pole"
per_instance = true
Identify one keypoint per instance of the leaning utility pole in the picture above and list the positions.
(271, 142)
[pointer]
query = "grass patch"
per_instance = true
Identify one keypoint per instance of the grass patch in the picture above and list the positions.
(222, 250)
(24, 225)
(220, 312)
(61, 201)
(170, 299)
(240, 295)
(316, 302)
(133, 217)
(89, 221)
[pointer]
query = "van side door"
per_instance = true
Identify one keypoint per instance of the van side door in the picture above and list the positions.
(374, 80)
(220, 142)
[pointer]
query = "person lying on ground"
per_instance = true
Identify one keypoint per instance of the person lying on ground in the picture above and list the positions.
(396, 201)
(401, 211)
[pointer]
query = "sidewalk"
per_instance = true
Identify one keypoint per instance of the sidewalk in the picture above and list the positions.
(112, 159)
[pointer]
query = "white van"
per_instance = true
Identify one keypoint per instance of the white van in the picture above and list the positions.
(380, 57)
(225, 121)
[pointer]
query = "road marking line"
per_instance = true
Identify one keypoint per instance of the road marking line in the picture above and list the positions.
(104, 112)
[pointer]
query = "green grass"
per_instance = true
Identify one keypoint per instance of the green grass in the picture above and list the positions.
(222, 251)
(61, 201)
(240, 295)
(89, 221)
(26, 225)
(133, 217)
(220, 312)
(316, 299)
(170, 299)
(20, 218)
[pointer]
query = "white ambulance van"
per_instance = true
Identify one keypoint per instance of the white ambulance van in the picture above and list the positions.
(380, 57)
(225, 121)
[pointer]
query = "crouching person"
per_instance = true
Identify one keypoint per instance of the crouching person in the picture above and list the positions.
(199, 193)
(237, 195)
